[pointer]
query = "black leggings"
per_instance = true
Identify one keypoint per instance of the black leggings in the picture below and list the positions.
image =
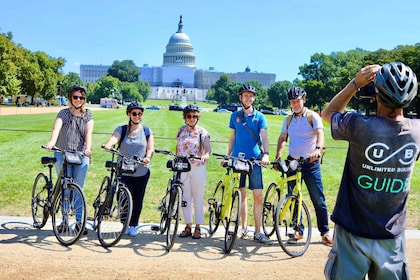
(137, 187)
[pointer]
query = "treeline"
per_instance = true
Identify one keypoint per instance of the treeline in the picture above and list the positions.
(37, 74)
(322, 78)
(40, 76)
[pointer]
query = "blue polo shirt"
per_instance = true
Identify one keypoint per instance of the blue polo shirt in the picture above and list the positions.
(244, 141)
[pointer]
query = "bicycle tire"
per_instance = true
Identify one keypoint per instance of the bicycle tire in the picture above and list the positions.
(233, 222)
(69, 202)
(39, 201)
(287, 224)
(163, 209)
(271, 199)
(114, 216)
(100, 199)
(215, 207)
(173, 217)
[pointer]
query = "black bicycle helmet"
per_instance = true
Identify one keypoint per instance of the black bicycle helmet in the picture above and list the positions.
(134, 105)
(296, 93)
(191, 107)
(396, 84)
(247, 88)
(74, 88)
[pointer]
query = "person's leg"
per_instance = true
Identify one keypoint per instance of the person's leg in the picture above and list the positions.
(198, 181)
(389, 260)
(311, 174)
(187, 207)
(78, 173)
(348, 258)
(244, 207)
(256, 185)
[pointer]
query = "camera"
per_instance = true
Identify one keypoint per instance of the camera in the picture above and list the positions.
(367, 91)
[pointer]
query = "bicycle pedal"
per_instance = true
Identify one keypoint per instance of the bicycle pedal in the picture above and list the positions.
(184, 204)
(155, 228)
(90, 218)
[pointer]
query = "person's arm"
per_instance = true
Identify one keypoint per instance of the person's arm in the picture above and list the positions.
(207, 149)
(115, 137)
(319, 134)
(150, 149)
(340, 101)
(266, 158)
(281, 143)
(58, 123)
(88, 138)
(231, 141)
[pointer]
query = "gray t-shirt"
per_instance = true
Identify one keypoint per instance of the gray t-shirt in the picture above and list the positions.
(372, 199)
(134, 145)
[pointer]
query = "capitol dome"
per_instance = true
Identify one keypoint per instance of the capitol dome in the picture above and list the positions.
(179, 50)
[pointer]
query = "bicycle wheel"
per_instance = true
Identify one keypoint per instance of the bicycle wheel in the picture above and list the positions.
(233, 221)
(288, 224)
(215, 207)
(163, 208)
(114, 216)
(174, 208)
(100, 199)
(39, 201)
(271, 199)
(69, 214)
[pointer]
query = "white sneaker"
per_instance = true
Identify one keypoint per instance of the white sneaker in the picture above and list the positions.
(132, 231)
(261, 237)
(244, 233)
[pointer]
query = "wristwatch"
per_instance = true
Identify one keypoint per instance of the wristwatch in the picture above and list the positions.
(318, 147)
(266, 153)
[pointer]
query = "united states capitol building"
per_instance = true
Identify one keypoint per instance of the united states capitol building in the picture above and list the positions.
(178, 77)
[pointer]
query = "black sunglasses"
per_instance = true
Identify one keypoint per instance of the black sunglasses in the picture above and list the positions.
(75, 97)
(134, 114)
(192, 117)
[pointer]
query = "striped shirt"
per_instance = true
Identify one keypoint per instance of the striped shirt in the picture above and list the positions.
(73, 131)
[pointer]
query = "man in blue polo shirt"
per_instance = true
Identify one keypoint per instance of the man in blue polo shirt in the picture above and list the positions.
(248, 139)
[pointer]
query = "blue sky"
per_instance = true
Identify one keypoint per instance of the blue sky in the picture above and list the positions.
(275, 36)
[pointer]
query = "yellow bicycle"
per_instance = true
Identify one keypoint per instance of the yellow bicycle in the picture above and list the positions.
(284, 210)
(225, 204)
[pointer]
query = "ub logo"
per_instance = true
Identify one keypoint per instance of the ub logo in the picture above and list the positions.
(379, 153)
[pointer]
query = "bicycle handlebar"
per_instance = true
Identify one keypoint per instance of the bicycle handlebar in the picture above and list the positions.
(166, 152)
(57, 149)
(116, 152)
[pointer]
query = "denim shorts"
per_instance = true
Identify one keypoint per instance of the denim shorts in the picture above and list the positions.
(255, 179)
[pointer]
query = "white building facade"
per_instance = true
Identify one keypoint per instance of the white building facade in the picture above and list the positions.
(178, 74)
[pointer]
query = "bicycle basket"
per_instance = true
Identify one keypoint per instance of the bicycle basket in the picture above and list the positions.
(241, 166)
(73, 158)
(179, 164)
(127, 166)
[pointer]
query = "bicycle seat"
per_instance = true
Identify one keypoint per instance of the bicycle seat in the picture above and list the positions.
(48, 160)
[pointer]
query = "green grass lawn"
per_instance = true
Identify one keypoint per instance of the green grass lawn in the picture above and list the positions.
(21, 138)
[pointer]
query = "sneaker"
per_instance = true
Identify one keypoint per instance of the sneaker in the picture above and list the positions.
(294, 238)
(63, 227)
(244, 233)
(261, 237)
(132, 231)
(326, 239)
(78, 227)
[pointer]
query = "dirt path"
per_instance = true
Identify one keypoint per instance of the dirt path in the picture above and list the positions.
(27, 253)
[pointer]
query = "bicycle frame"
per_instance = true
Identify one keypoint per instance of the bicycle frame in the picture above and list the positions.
(231, 182)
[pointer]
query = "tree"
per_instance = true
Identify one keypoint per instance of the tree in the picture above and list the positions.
(129, 91)
(106, 87)
(277, 94)
(125, 71)
(144, 89)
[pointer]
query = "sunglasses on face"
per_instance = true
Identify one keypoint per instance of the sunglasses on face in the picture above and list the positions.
(192, 117)
(135, 114)
(75, 97)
